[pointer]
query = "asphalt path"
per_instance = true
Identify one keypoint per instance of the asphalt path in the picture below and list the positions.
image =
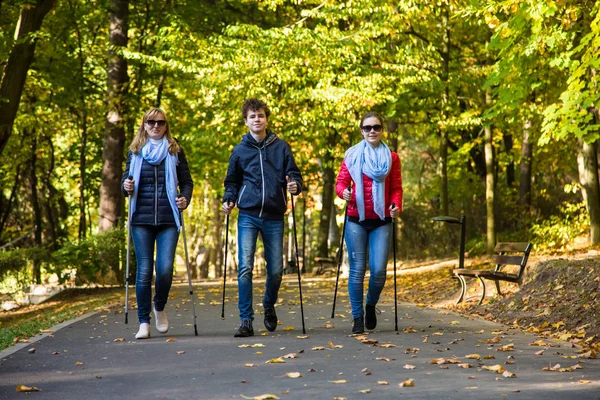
(436, 354)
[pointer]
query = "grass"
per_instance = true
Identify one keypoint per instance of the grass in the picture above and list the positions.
(31, 320)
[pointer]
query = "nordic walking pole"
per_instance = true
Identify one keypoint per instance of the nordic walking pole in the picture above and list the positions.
(340, 257)
(225, 264)
(187, 265)
(128, 255)
(298, 263)
(395, 290)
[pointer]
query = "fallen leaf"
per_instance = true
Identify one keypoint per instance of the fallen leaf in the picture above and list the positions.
(250, 365)
(489, 357)
(383, 383)
(290, 355)
(493, 340)
(261, 397)
(293, 375)
(508, 374)
(243, 346)
(407, 383)
(365, 391)
(542, 343)
(508, 347)
(410, 330)
(317, 348)
(170, 340)
(288, 328)
(302, 337)
(465, 365)
(180, 352)
(387, 345)
(369, 341)
(78, 363)
(278, 360)
(119, 339)
(584, 381)
(495, 368)
(23, 388)
(383, 359)
(339, 381)
(473, 356)
(408, 366)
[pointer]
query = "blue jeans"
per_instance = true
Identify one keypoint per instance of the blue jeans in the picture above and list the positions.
(358, 241)
(144, 237)
(271, 232)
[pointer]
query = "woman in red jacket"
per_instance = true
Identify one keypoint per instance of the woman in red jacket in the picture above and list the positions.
(371, 183)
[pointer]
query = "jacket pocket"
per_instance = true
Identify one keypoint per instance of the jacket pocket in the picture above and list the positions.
(239, 200)
(284, 196)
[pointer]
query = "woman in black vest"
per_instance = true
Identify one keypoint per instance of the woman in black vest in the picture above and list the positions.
(156, 167)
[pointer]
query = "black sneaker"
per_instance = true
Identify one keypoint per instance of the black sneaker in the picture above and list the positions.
(245, 329)
(359, 325)
(370, 317)
(270, 319)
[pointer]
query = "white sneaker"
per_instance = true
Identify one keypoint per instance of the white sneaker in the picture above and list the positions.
(144, 332)
(162, 324)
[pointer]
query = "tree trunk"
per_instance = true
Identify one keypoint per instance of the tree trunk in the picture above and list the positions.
(114, 139)
(443, 162)
(587, 161)
(327, 199)
(35, 204)
(18, 63)
(510, 168)
(490, 180)
(11, 199)
(525, 167)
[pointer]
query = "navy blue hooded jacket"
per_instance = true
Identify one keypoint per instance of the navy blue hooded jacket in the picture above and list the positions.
(256, 174)
(153, 207)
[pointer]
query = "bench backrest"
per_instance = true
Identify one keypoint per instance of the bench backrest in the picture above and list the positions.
(512, 254)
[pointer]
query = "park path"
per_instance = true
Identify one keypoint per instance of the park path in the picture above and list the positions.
(97, 357)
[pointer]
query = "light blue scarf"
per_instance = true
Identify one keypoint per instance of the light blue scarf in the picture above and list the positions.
(154, 154)
(375, 163)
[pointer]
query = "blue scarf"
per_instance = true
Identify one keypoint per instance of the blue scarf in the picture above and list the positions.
(375, 163)
(154, 154)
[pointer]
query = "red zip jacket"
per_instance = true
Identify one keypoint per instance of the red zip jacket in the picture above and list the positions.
(393, 189)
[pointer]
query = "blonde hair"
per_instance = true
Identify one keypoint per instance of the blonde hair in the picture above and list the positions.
(141, 137)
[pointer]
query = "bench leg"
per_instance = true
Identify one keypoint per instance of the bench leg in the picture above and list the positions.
(463, 288)
(483, 291)
(498, 288)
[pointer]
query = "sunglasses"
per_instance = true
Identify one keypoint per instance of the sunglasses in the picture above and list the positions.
(159, 122)
(367, 128)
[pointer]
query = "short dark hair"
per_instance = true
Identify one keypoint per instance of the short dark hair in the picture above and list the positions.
(369, 115)
(254, 105)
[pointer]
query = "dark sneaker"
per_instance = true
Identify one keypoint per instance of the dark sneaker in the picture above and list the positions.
(370, 317)
(270, 319)
(358, 325)
(245, 329)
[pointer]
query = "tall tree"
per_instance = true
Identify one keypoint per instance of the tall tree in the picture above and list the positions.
(18, 63)
(114, 138)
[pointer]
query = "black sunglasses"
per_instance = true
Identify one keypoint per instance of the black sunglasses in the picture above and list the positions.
(159, 122)
(367, 128)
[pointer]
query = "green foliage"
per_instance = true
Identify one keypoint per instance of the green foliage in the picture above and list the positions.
(88, 260)
(557, 231)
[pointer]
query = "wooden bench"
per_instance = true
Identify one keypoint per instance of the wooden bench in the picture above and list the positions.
(508, 254)
(325, 265)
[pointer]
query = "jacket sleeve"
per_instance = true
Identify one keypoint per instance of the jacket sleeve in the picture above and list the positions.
(186, 184)
(291, 169)
(126, 173)
(396, 181)
(344, 180)
(233, 179)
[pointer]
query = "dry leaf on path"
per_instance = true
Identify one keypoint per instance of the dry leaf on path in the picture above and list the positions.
(365, 391)
(407, 383)
(119, 339)
(507, 347)
(408, 366)
(250, 365)
(290, 355)
(293, 375)
(383, 383)
(340, 381)
(23, 388)
(170, 340)
(180, 352)
(261, 397)
(473, 356)
(278, 360)
(317, 348)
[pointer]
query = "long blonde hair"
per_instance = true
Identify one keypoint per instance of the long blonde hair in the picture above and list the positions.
(141, 137)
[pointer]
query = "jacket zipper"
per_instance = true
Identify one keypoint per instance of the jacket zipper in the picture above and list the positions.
(262, 174)
(155, 195)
